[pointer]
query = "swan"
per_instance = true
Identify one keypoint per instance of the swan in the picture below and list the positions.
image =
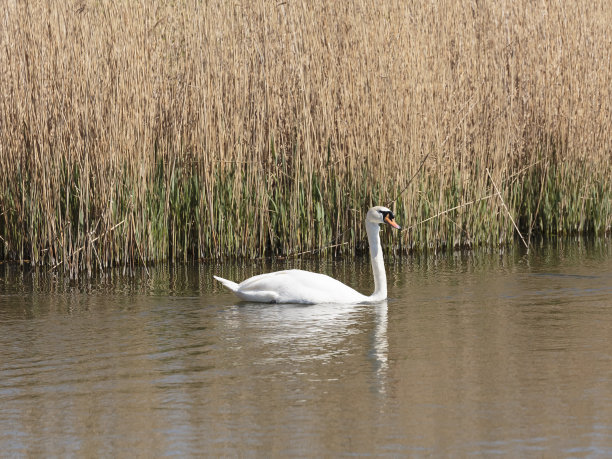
(305, 287)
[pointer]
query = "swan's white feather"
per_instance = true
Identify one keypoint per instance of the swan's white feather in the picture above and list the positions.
(297, 286)
(233, 286)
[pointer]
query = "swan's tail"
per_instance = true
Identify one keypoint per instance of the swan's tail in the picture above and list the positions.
(233, 286)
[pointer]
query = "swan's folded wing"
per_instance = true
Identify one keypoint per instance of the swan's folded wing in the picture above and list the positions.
(297, 286)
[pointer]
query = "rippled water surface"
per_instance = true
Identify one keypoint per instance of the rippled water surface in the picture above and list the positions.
(483, 354)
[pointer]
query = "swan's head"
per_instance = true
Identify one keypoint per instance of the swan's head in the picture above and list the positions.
(380, 214)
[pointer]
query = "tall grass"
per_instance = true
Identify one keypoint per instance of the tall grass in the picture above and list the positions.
(142, 131)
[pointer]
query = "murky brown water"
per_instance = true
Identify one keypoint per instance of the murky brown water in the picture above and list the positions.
(474, 354)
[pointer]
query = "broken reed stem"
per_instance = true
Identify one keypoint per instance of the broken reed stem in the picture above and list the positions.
(80, 249)
(314, 250)
(537, 210)
(409, 181)
(507, 210)
(142, 260)
(524, 169)
(465, 204)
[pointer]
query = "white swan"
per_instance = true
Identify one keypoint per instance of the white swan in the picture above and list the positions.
(305, 287)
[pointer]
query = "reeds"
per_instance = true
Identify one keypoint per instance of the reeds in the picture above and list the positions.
(139, 131)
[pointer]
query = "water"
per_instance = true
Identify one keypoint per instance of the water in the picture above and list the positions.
(476, 354)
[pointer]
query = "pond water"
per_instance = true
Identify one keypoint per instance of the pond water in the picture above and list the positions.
(474, 354)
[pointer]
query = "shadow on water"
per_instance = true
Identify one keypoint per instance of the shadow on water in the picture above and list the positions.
(483, 353)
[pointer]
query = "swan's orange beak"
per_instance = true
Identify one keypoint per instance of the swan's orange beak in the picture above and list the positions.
(391, 222)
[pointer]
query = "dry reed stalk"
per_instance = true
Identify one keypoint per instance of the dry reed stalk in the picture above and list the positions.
(91, 241)
(501, 198)
(444, 212)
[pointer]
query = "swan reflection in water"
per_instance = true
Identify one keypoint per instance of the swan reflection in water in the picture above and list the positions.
(380, 347)
(297, 334)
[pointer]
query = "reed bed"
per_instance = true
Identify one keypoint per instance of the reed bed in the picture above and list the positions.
(133, 132)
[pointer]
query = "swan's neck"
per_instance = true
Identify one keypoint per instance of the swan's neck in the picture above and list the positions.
(378, 265)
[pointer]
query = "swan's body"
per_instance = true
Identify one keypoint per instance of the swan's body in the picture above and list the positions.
(294, 286)
(305, 287)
